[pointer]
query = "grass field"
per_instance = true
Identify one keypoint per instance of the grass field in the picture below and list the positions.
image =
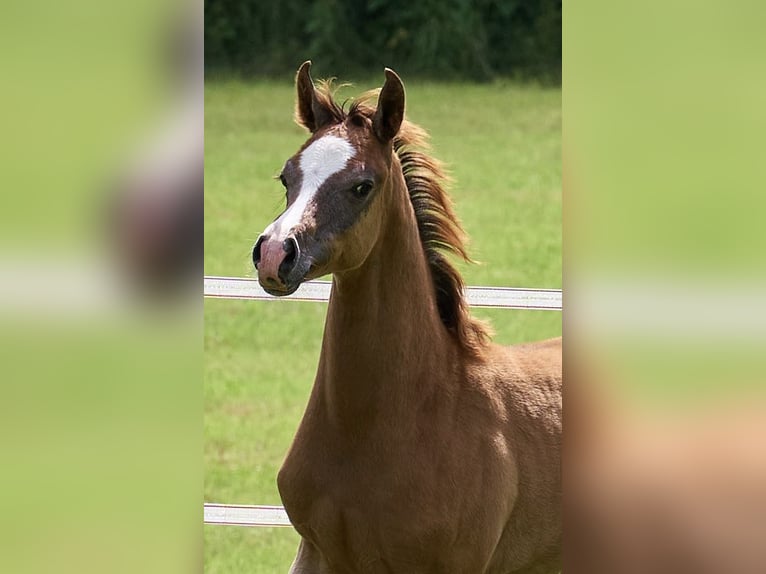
(502, 143)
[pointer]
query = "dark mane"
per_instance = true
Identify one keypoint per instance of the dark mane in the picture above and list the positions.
(440, 231)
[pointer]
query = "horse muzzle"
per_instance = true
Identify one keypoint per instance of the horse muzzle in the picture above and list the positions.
(281, 264)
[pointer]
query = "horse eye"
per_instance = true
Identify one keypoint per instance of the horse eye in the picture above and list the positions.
(362, 189)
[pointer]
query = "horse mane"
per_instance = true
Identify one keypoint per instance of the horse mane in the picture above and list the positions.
(438, 226)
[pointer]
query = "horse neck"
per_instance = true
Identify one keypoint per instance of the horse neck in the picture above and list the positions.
(385, 349)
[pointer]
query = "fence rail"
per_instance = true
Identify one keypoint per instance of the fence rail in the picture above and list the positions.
(245, 515)
(497, 297)
(244, 288)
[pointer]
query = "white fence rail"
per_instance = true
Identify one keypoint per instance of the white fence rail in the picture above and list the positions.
(243, 288)
(245, 515)
(498, 297)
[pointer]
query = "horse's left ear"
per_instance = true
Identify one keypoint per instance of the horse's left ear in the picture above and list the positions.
(390, 113)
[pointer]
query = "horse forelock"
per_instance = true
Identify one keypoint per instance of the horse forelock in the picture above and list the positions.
(439, 228)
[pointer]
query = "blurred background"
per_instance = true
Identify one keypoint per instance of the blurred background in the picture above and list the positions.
(100, 287)
(665, 284)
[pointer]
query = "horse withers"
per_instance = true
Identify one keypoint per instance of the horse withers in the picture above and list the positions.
(424, 447)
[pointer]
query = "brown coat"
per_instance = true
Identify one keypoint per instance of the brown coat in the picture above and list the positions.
(424, 448)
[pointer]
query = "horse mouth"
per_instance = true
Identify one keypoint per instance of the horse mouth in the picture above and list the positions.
(288, 281)
(281, 291)
(287, 285)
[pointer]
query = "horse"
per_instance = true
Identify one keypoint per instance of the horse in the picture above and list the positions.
(424, 447)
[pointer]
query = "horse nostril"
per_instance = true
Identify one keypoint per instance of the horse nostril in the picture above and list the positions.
(290, 246)
(257, 250)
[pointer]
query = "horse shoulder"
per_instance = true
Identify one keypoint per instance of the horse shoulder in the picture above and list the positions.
(528, 378)
(524, 383)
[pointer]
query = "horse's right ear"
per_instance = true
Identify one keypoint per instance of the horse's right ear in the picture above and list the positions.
(310, 111)
(390, 112)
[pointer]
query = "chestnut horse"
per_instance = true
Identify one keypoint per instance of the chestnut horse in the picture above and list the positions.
(424, 447)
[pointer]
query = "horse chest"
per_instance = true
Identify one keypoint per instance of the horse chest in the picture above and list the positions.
(389, 506)
(322, 485)
(368, 526)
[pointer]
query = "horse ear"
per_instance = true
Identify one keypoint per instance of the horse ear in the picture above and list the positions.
(390, 113)
(310, 111)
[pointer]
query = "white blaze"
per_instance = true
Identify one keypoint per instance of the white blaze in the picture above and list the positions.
(322, 159)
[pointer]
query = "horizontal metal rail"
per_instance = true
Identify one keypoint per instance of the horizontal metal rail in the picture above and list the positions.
(245, 515)
(497, 297)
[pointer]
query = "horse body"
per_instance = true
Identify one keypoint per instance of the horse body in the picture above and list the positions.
(470, 488)
(423, 448)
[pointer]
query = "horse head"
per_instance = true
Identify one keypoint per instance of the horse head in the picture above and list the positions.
(334, 187)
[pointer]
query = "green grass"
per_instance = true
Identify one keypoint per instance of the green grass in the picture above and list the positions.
(502, 143)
